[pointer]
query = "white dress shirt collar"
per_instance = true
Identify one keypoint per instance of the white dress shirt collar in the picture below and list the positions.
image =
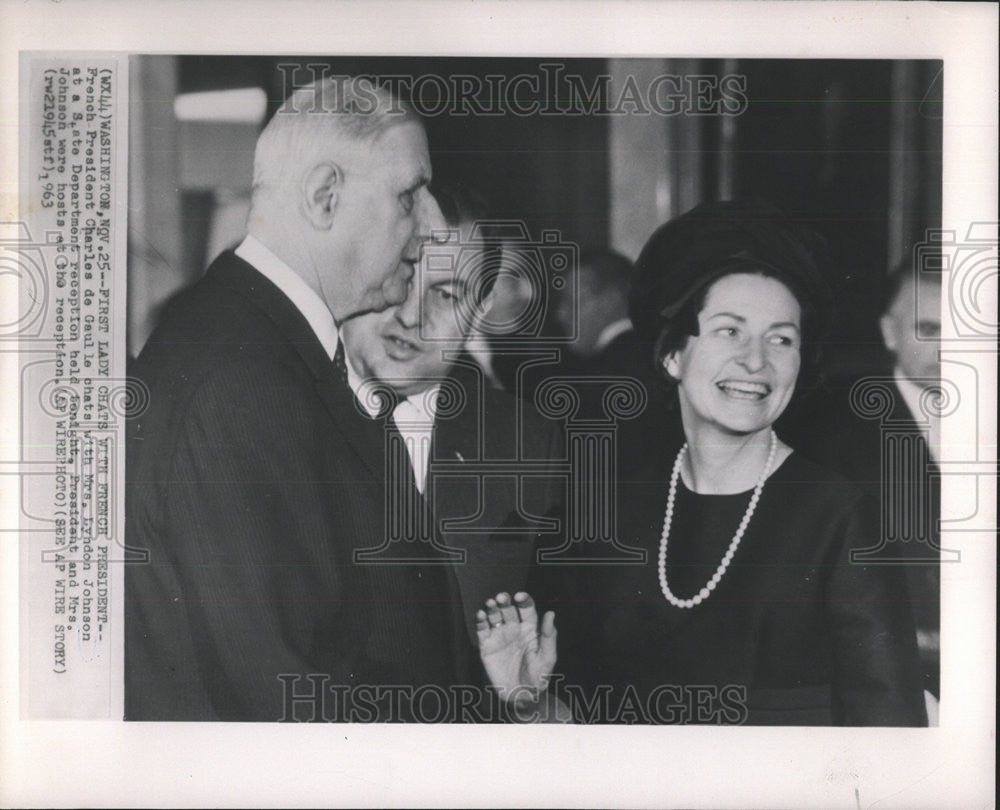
(414, 418)
(929, 423)
(305, 299)
(421, 407)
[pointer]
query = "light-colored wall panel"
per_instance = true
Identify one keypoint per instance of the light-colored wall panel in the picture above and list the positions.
(155, 242)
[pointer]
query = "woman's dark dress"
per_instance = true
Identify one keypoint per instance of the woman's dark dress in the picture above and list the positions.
(794, 634)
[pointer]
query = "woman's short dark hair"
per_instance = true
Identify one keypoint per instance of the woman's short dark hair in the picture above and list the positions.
(687, 255)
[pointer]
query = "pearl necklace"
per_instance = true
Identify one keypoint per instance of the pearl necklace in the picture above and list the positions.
(704, 593)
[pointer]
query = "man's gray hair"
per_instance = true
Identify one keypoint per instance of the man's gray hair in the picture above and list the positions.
(311, 123)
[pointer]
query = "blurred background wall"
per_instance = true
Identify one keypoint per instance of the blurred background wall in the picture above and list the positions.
(851, 147)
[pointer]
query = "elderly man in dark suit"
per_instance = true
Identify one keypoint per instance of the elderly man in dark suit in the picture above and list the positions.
(254, 486)
(483, 460)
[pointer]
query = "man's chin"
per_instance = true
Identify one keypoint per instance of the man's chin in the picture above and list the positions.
(408, 379)
(397, 375)
(417, 387)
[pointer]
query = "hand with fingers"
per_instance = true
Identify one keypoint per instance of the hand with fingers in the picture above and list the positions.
(517, 653)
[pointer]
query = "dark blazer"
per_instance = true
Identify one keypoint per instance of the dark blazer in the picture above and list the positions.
(903, 491)
(657, 426)
(252, 480)
(494, 484)
(626, 355)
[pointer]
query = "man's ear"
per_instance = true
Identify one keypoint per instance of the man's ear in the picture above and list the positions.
(888, 332)
(320, 192)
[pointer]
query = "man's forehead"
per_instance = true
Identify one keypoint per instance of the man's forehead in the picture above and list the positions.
(921, 296)
(928, 299)
(406, 142)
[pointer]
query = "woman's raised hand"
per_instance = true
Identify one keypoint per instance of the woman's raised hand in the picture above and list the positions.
(517, 653)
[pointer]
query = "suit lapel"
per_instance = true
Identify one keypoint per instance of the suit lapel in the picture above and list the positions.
(902, 419)
(455, 441)
(364, 435)
(231, 271)
(460, 437)
(497, 546)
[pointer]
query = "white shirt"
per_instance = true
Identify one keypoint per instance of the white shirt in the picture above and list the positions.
(305, 299)
(930, 423)
(611, 331)
(414, 418)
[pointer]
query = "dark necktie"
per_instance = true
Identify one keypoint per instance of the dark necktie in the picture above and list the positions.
(339, 364)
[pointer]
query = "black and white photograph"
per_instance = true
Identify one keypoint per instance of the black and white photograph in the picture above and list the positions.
(613, 416)
(289, 569)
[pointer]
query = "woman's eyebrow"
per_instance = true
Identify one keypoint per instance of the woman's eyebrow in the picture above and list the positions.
(741, 319)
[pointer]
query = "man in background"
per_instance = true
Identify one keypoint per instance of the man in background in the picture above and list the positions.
(606, 347)
(468, 444)
(901, 476)
(251, 486)
(911, 331)
(606, 341)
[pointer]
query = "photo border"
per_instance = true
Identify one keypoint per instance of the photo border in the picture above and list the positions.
(90, 763)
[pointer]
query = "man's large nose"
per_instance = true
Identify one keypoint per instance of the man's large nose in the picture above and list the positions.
(408, 312)
(395, 288)
(431, 222)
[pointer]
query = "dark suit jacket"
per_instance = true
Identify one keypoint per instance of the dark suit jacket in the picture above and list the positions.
(493, 484)
(903, 493)
(251, 481)
(626, 355)
(657, 426)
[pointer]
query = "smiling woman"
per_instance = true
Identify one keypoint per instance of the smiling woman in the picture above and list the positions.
(748, 608)
(737, 376)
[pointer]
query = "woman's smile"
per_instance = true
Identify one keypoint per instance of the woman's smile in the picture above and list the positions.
(744, 389)
(738, 373)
